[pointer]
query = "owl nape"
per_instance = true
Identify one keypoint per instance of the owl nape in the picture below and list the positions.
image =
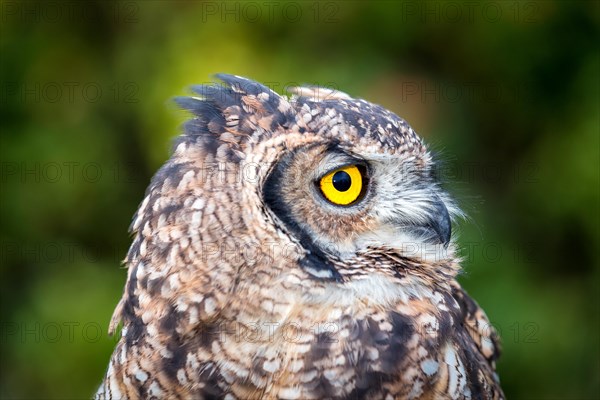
(296, 247)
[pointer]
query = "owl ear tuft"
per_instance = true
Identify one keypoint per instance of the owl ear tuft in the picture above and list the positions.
(244, 93)
(318, 93)
(245, 86)
(229, 113)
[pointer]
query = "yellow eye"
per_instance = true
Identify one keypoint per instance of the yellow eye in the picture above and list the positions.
(342, 186)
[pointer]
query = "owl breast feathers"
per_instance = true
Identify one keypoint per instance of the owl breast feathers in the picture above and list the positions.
(296, 248)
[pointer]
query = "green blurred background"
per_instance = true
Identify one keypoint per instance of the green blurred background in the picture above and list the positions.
(506, 92)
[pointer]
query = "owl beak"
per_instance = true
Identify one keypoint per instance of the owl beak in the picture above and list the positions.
(440, 223)
(435, 228)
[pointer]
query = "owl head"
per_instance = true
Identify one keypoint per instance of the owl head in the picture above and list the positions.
(263, 187)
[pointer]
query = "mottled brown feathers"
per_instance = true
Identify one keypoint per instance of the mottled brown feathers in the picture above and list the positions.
(245, 282)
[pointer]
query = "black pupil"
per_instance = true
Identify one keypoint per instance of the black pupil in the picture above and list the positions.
(341, 181)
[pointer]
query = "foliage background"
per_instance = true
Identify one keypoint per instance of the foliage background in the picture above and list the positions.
(506, 91)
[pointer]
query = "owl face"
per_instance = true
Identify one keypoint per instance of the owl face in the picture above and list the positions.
(336, 175)
(342, 199)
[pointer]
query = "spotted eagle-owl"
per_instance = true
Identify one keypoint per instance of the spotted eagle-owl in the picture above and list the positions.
(297, 248)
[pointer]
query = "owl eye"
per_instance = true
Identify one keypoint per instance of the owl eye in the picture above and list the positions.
(343, 185)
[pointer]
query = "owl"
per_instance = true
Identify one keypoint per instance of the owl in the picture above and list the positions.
(296, 247)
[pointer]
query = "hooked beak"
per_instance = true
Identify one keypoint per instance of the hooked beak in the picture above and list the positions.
(437, 228)
(440, 223)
